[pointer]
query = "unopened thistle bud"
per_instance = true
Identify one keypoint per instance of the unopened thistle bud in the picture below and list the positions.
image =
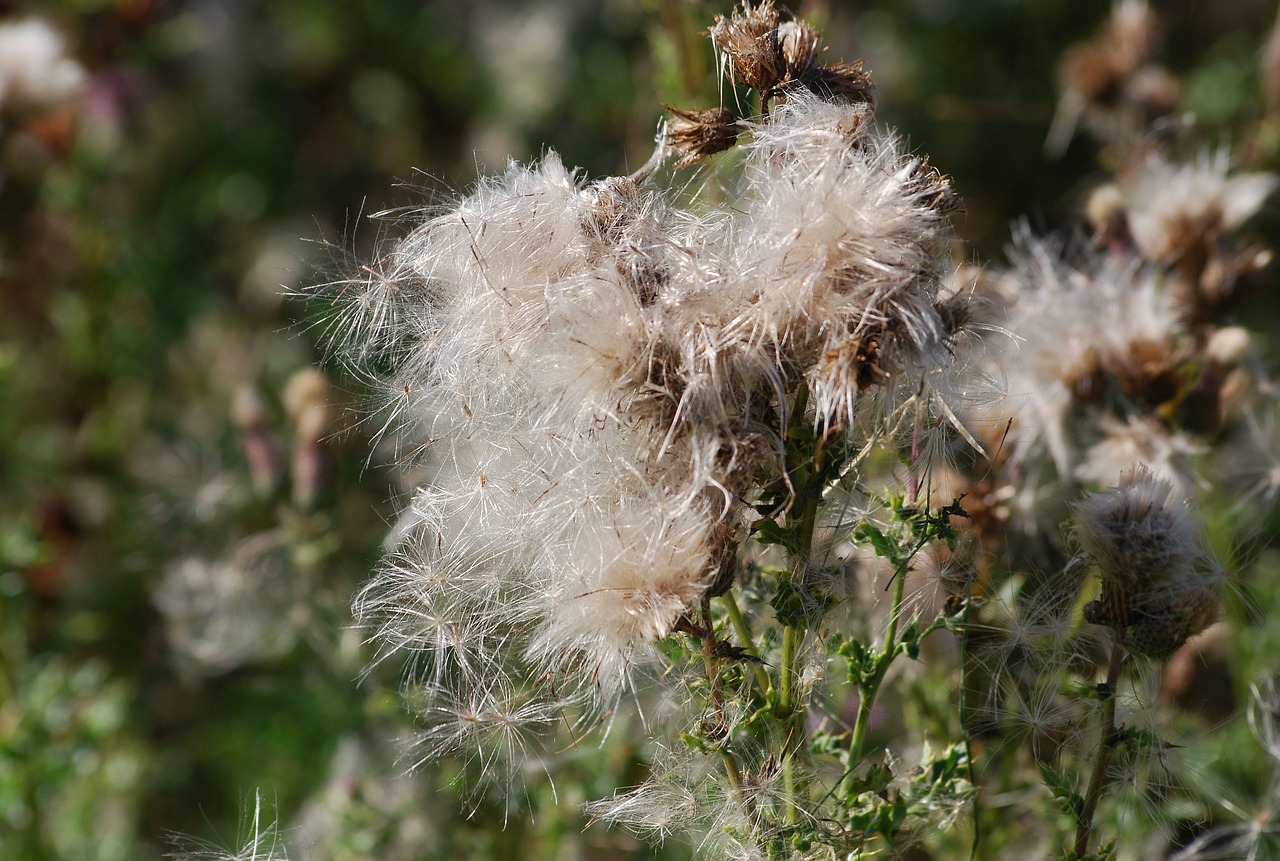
(698, 134)
(1158, 585)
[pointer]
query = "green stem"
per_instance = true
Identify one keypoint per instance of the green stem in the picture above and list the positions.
(787, 715)
(735, 783)
(870, 687)
(709, 655)
(786, 673)
(809, 494)
(745, 640)
(965, 721)
(1106, 744)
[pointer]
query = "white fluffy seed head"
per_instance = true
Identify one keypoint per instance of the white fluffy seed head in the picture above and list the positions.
(630, 576)
(840, 250)
(1173, 204)
(591, 385)
(1092, 333)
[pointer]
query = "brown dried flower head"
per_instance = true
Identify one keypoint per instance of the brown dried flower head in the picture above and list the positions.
(1097, 68)
(748, 40)
(840, 82)
(698, 134)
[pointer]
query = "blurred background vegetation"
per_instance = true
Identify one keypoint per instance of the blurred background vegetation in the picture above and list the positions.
(187, 504)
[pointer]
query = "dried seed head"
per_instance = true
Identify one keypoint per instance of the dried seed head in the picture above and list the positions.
(1161, 630)
(1147, 371)
(1105, 210)
(749, 42)
(934, 188)
(799, 43)
(840, 82)
(1176, 207)
(1109, 84)
(1157, 582)
(698, 134)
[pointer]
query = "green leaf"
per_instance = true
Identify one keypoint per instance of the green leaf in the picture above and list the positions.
(911, 641)
(769, 531)
(1060, 787)
(885, 547)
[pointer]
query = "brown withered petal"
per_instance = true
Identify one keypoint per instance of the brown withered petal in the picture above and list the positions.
(749, 40)
(840, 82)
(698, 134)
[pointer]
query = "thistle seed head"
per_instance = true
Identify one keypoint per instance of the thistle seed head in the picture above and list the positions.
(698, 134)
(1158, 583)
(799, 43)
(840, 82)
(748, 40)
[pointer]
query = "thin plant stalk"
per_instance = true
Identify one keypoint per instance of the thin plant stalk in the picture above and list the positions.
(965, 718)
(1106, 743)
(867, 692)
(745, 638)
(792, 635)
(870, 687)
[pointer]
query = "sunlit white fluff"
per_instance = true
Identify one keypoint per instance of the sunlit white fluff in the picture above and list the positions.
(1173, 204)
(1076, 324)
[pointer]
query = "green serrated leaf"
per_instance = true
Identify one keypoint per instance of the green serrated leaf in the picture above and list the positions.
(769, 531)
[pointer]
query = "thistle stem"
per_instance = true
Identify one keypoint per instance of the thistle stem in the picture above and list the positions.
(809, 491)
(709, 654)
(785, 701)
(1106, 743)
(735, 781)
(787, 714)
(870, 687)
(965, 719)
(746, 641)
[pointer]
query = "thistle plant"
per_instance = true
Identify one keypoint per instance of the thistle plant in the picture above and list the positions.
(728, 467)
